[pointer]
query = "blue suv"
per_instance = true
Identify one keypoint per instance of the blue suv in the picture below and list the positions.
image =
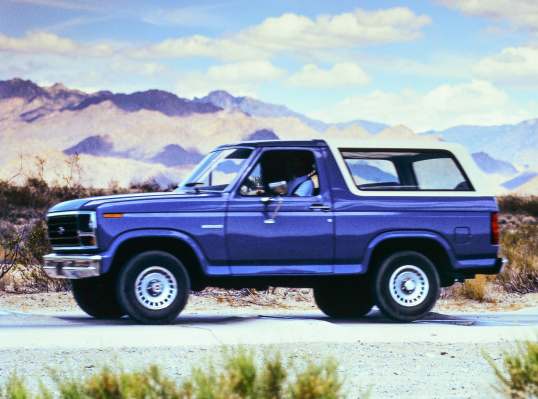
(363, 223)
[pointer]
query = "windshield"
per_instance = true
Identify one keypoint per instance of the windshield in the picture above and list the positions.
(217, 170)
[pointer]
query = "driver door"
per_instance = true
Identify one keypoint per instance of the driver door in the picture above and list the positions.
(298, 238)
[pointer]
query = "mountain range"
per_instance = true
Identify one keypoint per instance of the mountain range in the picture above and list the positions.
(122, 138)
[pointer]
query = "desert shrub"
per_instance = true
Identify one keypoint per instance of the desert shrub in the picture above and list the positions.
(518, 377)
(239, 377)
(147, 186)
(520, 247)
(23, 208)
(518, 205)
(479, 289)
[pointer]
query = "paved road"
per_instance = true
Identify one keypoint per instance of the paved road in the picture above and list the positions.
(19, 330)
(441, 356)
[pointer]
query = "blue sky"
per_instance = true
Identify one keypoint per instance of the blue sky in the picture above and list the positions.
(424, 64)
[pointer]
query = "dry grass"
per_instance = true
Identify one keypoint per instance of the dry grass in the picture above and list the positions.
(274, 297)
(520, 247)
(516, 205)
(518, 223)
(480, 289)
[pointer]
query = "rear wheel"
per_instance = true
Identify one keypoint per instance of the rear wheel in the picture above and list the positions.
(153, 287)
(97, 297)
(406, 286)
(345, 301)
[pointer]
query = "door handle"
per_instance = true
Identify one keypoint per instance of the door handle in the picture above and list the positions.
(320, 207)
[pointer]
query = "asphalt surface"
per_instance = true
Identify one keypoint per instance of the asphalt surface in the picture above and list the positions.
(76, 330)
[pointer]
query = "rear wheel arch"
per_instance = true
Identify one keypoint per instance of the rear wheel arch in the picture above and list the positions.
(428, 247)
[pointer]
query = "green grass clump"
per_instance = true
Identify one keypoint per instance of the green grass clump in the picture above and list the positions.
(519, 377)
(272, 379)
(240, 377)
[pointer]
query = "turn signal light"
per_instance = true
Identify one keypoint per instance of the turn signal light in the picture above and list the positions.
(112, 215)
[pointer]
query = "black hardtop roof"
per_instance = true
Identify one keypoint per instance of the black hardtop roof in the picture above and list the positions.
(277, 143)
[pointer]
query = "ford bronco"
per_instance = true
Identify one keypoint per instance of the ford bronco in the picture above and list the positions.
(369, 223)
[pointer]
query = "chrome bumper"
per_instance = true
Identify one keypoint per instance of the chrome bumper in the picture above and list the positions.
(72, 266)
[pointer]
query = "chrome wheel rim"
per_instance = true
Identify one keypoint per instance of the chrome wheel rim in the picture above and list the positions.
(156, 288)
(409, 286)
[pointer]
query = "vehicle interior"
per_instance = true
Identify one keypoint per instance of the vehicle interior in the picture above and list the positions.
(274, 166)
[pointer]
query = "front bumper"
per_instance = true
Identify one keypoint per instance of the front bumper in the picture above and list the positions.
(72, 266)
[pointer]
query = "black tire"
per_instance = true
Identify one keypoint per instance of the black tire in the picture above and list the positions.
(349, 301)
(406, 286)
(153, 287)
(97, 297)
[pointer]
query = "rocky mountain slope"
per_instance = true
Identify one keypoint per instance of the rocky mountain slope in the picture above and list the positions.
(254, 107)
(517, 144)
(132, 137)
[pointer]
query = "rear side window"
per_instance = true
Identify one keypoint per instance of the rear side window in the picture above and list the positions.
(405, 170)
(439, 174)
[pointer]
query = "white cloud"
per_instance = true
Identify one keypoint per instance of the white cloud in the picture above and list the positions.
(251, 71)
(239, 79)
(475, 103)
(140, 69)
(295, 32)
(43, 42)
(341, 75)
(519, 12)
(514, 67)
(291, 32)
(198, 46)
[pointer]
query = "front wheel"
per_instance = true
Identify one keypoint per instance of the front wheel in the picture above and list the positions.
(406, 286)
(97, 297)
(344, 301)
(153, 287)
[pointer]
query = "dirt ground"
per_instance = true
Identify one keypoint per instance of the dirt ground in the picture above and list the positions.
(281, 300)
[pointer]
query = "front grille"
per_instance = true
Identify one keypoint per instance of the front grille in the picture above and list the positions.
(72, 230)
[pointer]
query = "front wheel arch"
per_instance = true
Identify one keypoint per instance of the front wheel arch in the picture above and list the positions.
(153, 287)
(174, 246)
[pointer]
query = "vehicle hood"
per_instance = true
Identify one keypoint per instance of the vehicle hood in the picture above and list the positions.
(133, 202)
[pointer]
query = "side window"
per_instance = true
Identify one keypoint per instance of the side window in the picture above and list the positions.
(373, 171)
(404, 170)
(439, 174)
(297, 168)
(253, 185)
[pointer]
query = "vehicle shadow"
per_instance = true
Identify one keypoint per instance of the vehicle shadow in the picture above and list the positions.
(374, 317)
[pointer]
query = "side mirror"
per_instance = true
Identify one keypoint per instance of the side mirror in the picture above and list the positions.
(279, 188)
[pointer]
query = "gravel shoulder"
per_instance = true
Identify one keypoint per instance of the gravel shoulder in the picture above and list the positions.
(411, 370)
(282, 300)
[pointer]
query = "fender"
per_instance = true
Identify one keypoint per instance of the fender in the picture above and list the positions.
(406, 234)
(108, 256)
